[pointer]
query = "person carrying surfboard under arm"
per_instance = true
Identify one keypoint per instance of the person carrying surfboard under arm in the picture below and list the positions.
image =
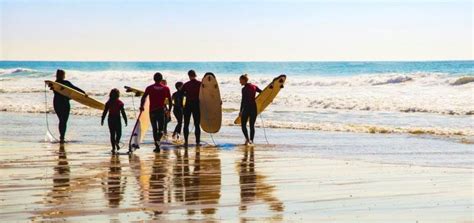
(191, 107)
(114, 107)
(158, 94)
(248, 108)
(178, 98)
(61, 104)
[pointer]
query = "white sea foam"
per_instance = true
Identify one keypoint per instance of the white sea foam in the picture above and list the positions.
(22, 90)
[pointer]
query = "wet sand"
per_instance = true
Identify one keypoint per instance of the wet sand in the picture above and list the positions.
(80, 182)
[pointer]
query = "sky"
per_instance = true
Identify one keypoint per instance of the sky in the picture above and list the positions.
(224, 30)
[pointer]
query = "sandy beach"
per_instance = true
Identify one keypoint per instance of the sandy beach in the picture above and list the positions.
(288, 180)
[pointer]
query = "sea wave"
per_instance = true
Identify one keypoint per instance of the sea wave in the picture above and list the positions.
(463, 80)
(366, 128)
(465, 133)
(401, 92)
(16, 71)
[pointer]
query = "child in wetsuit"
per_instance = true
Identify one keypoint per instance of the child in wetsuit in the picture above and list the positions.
(114, 107)
(177, 99)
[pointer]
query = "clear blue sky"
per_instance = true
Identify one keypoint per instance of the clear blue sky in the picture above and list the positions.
(236, 30)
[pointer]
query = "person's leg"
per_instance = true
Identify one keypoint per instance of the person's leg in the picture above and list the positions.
(178, 114)
(63, 122)
(112, 134)
(153, 117)
(118, 133)
(197, 123)
(243, 123)
(187, 119)
(161, 118)
(165, 126)
(253, 118)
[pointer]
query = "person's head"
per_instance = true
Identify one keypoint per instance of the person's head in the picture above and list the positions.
(244, 79)
(164, 82)
(60, 75)
(158, 77)
(192, 74)
(178, 85)
(114, 94)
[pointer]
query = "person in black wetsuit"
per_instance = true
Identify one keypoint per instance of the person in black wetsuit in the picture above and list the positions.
(114, 107)
(191, 92)
(177, 99)
(61, 103)
(248, 108)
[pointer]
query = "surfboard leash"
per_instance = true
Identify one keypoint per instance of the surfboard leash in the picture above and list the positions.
(264, 129)
(46, 113)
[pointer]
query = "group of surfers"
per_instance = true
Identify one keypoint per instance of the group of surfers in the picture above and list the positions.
(159, 93)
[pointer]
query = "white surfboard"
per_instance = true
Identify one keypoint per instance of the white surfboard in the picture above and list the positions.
(142, 124)
(210, 104)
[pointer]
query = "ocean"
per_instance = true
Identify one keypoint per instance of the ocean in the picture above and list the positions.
(417, 98)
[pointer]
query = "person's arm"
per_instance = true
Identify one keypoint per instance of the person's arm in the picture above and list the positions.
(104, 113)
(258, 89)
(69, 84)
(170, 102)
(242, 102)
(124, 115)
(142, 102)
(173, 98)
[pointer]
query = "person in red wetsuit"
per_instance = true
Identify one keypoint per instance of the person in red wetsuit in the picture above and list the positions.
(114, 107)
(248, 108)
(191, 92)
(158, 93)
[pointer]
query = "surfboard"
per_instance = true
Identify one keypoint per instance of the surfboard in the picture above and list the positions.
(142, 124)
(267, 95)
(210, 104)
(137, 92)
(75, 95)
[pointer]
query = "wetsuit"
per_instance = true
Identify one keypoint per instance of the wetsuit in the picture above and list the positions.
(62, 107)
(248, 109)
(191, 92)
(177, 98)
(158, 93)
(114, 108)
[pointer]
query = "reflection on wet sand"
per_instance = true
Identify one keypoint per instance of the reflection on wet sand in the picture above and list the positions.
(61, 179)
(156, 192)
(253, 187)
(178, 181)
(207, 175)
(114, 187)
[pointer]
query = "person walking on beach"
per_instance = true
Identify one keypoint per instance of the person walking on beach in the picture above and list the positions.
(167, 118)
(177, 99)
(248, 108)
(114, 107)
(61, 104)
(191, 107)
(158, 93)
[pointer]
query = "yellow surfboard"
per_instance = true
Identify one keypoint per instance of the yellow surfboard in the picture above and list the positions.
(143, 121)
(266, 97)
(75, 95)
(134, 90)
(210, 104)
